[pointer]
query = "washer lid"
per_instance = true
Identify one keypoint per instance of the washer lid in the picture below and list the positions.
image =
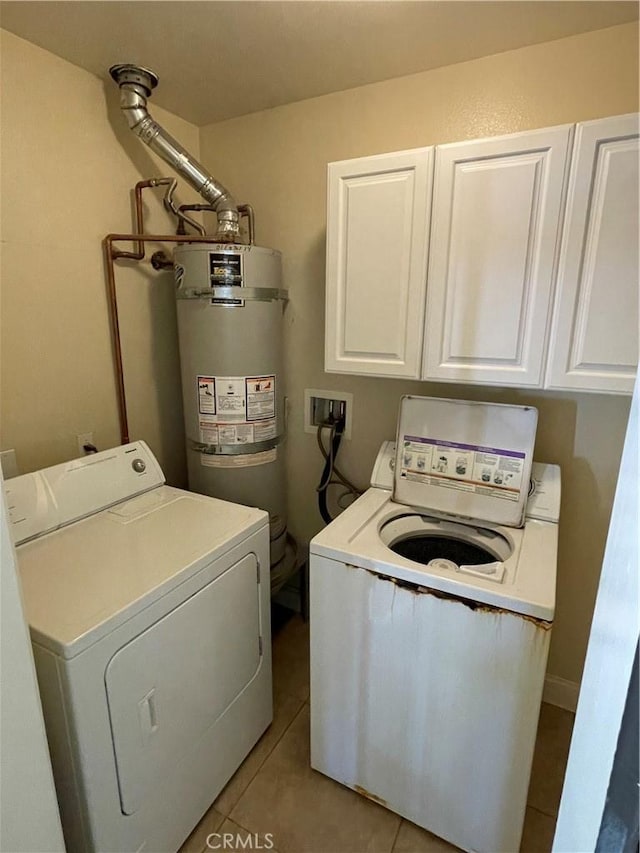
(471, 460)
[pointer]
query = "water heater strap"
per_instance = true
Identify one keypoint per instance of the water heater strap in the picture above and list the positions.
(250, 294)
(235, 449)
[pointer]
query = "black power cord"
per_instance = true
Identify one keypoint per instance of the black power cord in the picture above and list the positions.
(331, 476)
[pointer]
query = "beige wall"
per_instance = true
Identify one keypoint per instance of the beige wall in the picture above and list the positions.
(68, 161)
(276, 160)
(68, 165)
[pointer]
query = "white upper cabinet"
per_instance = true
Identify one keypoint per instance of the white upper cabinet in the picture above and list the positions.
(377, 241)
(501, 261)
(594, 340)
(497, 206)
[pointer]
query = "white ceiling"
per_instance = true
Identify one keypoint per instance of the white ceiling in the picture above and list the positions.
(218, 59)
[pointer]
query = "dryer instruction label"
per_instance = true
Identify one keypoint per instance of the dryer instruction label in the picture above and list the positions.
(487, 471)
(236, 409)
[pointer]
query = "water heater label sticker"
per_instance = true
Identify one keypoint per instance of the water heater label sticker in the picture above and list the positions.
(261, 397)
(208, 431)
(206, 395)
(236, 409)
(226, 270)
(466, 467)
(264, 430)
(235, 433)
(230, 398)
(249, 460)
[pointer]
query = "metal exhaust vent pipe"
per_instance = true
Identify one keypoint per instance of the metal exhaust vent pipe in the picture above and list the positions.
(136, 84)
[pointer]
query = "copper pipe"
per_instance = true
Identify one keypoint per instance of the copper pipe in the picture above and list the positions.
(184, 218)
(243, 210)
(117, 348)
(160, 238)
(110, 256)
(247, 210)
(138, 253)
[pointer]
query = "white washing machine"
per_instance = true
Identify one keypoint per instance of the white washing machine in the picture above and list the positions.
(149, 615)
(431, 600)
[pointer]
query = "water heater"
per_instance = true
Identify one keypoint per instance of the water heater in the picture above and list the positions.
(230, 305)
(230, 314)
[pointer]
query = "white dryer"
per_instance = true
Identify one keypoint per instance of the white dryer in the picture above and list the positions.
(431, 601)
(149, 615)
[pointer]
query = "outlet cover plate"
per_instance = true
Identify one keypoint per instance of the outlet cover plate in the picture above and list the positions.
(9, 464)
(83, 438)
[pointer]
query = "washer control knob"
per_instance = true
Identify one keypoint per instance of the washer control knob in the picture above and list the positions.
(139, 466)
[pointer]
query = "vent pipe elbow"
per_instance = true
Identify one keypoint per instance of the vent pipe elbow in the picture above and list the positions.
(136, 84)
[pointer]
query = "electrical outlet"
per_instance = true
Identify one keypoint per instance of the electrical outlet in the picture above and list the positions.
(84, 438)
(321, 406)
(9, 464)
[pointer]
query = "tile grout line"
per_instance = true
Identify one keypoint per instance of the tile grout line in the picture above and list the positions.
(395, 838)
(205, 846)
(237, 823)
(542, 811)
(554, 815)
(260, 766)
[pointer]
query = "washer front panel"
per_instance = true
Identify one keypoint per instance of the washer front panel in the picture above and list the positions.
(428, 704)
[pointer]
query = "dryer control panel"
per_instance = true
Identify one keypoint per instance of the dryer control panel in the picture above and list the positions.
(54, 497)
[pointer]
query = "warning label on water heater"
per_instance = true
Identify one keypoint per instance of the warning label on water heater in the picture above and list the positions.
(236, 409)
(261, 397)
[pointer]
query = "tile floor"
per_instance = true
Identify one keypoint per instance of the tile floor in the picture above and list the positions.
(277, 799)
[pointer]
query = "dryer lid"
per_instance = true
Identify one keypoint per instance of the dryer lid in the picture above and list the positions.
(467, 459)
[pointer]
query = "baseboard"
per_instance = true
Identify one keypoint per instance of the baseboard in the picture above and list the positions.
(561, 692)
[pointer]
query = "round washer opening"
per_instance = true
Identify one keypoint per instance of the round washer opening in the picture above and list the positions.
(423, 549)
(426, 539)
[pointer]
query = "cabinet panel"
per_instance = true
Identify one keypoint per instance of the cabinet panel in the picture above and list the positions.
(377, 234)
(594, 340)
(496, 213)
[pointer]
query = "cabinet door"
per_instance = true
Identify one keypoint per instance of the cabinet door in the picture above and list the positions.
(377, 238)
(496, 213)
(594, 338)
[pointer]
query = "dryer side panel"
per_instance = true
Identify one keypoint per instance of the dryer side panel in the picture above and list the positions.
(169, 685)
(62, 748)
